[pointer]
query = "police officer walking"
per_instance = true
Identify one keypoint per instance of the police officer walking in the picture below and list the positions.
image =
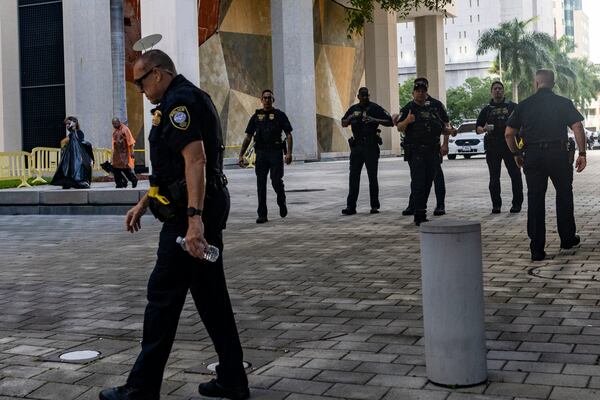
(266, 127)
(439, 183)
(364, 119)
(422, 124)
(188, 193)
(544, 118)
(492, 121)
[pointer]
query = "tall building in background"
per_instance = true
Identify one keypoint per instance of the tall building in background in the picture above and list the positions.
(462, 32)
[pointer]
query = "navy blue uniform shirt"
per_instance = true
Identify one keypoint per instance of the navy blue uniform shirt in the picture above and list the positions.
(267, 127)
(544, 117)
(496, 114)
(185, 114)
(357, 112)
(429, 122)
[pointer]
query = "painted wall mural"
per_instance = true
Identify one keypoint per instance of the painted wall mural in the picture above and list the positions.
(236, 65)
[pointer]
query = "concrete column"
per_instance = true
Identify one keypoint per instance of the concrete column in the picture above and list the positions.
(88, 73)
(294, 71)
(429, 35)
(10, 91)
(177, 22)
(381, 70)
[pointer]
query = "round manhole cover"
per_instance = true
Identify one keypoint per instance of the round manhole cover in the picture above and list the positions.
(213, 367)
(81, 355)
(304, 190)
(574, 273)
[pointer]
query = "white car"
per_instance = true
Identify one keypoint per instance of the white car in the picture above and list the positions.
(466, 143)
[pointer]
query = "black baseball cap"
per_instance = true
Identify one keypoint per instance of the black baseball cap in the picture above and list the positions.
(420, 83)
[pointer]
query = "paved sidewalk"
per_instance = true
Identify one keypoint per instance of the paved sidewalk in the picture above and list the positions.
(328, 306)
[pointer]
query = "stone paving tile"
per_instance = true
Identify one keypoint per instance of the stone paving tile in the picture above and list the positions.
(347, 309)
(58, 391)
(349, 391)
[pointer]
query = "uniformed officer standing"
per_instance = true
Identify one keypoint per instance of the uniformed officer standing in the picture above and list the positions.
(492, 121)
(544, 118)
(266, 127)
(421, 122)
(364, 119)
(188, 192)
(439, 183)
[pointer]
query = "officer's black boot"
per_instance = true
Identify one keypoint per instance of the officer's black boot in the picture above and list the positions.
(408, 211)
(283, 211)
(420, 217)
(349, 211)
(214, 389)
(126, 393)
(439, 210)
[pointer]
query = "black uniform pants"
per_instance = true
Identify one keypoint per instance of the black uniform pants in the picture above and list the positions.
(495, 154)
(363, 154)
(423, 163)
(175, 273)
(541, 164)
(439, 186)
(122, 175)
(269, 161)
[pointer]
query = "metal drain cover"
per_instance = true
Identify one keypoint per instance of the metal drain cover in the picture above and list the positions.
(572, 273)
(213, 367)
(80, 355)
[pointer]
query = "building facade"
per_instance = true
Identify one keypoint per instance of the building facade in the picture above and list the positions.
(462, 32)
(56, 60)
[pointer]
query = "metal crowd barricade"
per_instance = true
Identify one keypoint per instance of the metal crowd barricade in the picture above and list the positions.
(44, 160)
(14, 165)
(101, 155)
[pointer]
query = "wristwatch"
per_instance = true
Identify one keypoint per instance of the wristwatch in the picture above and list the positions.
(582, 153)
(192, 211)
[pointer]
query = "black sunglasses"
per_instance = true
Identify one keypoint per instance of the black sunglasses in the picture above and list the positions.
(140, 81)
(268, 97)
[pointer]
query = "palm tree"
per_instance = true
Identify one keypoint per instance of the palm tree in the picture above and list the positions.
(520, 51)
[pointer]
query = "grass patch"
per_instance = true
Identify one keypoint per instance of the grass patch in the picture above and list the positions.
(13, 183)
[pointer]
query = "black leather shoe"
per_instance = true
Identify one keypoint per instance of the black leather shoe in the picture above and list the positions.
(576, 240)
(283, 211)
(418, 222)
(214, 389)
(374, 210)
(538, 256)
(515, 209)
(349, 211)
(134, 183)
(261, 220)
(408, 211)
(439, 210)
(126, 393)
(496, 210)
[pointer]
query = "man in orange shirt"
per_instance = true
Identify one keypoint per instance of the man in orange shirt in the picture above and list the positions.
(122, 154)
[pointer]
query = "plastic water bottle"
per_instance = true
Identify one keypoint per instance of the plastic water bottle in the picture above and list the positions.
(211, 253)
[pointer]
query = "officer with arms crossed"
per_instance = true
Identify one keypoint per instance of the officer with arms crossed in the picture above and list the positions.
(188, 193)
(364, 118)
(422, 125)
(492, 121)
(266, 126)
(544, 118)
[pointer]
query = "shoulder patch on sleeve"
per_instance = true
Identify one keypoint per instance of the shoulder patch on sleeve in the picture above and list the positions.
(180, 118)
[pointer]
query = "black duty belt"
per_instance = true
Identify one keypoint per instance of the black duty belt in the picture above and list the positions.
(216, 180)
(422, 147)
(554, 145)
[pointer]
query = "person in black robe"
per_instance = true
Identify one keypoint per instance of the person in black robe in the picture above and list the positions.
(75, 168)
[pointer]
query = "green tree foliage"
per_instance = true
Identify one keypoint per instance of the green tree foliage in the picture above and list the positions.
(405, 92)
(360, 12)
(467, 100)
(521, 52)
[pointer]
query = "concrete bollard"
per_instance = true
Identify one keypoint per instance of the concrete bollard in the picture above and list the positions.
(453, 308)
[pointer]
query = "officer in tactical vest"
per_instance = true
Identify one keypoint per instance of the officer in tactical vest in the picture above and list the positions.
(492, 121)
(266, 126)
(188, 194)
(364, 119)
(422, 125)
